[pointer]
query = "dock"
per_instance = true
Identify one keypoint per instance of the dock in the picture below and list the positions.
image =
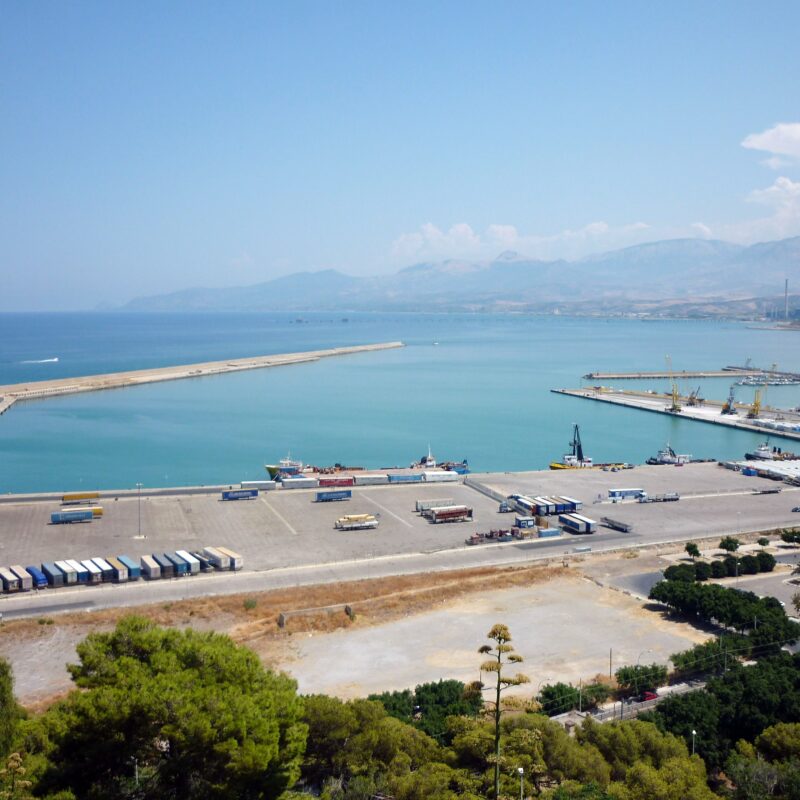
(710, 411)
(38, 390)
(725, 372)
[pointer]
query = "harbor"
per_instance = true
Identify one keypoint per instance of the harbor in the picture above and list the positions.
(39, 390)
(726, 372)
(767, 421)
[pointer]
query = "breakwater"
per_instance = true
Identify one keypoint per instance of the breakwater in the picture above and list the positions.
(38, 390)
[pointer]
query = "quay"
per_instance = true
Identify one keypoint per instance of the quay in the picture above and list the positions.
(710, 411)
(726, 372)
(37, 390)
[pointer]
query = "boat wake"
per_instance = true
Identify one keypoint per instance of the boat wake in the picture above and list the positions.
(41, 361)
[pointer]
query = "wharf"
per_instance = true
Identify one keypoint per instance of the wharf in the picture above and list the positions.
(37, 390)
(709, 412)
(726, 372)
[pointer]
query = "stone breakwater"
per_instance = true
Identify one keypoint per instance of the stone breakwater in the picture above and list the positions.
(38, 390)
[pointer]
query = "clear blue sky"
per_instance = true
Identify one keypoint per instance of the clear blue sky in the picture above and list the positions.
(149, 147)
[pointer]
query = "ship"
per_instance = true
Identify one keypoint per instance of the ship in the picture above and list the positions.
(766, 453)
(577, 460)
(669, 456)
(429, 462)
(286, 466)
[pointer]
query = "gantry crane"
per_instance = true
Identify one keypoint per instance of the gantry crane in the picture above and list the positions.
(675, 406)
(729, 407)
(755, 409)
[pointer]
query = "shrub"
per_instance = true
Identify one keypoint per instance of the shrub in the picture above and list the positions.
(718, 569)
(766, 562)
(748, 565)
(732, 565)
(680, 572)
(702, 571)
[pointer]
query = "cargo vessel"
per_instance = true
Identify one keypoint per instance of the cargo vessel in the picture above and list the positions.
(286, 466)
(766, 453)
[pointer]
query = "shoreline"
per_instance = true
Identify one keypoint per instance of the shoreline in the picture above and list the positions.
(37, 390)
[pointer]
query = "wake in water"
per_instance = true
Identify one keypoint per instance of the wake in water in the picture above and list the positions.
(41, 361)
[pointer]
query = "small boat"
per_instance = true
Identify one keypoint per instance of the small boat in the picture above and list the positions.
(669, 456)
(429, 462)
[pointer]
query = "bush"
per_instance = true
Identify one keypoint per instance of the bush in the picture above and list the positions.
(702, 571)
(729, 543)
(791, 536)
(718, 569)
(680, 572)
(558, 698)
(731, 565)
(748, 565)
(640, 678)
(766, 562)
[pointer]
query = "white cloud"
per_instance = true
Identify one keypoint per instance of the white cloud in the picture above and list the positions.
(702, 229)
(782, 140)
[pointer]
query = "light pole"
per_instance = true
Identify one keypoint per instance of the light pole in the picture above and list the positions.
(139, 491)
(521, 782)
(694, 733)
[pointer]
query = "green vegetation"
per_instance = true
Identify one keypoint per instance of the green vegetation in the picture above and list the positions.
(729, 543)
(10, 712)
(728, 567)
(692, 550)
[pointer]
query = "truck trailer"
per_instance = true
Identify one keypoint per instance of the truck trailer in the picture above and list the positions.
(329, 497)
(356, 522)
(450, 514)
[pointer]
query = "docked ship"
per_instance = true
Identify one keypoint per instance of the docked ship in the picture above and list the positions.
(766, 453)
(669, 456)
(429, 462)
(577, 460)
(285, 467)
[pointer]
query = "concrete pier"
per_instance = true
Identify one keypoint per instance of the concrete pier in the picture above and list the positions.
(727, 372)
(710, 411)
(37, 390)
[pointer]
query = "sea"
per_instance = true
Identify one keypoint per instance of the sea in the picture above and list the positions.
(474, 386)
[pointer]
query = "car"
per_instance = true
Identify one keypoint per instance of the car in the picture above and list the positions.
(796, 509)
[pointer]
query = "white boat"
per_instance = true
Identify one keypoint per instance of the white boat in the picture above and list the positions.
(669, 456)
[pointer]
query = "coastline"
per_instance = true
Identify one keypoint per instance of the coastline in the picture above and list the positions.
(37, 390)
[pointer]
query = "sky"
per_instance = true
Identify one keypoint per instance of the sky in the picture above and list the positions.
(150, 147)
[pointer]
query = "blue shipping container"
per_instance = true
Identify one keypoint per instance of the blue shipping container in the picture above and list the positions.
(326, 497)
(55, 577)
(240, 494)
(39, 579)
(181, 566)
(134, 570)
(60, 517)
(546, 533)
(167, 567)
(406, 478)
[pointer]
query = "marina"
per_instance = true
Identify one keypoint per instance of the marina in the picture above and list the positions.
(39, 390)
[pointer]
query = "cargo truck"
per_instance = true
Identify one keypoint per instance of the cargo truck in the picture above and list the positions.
(25, 578)
(440, 476)
(426, 505)
(106, 569)
(626, 494)
(669, 497)
(616, 525)
(75, 515)
(371, 480)
(95, 573)
(299, 483)
(69, 572)
(55, 577)
(576, 523)
(134, 569)
(9, 580)
(120, 571)
(240, 494)
(151, 569)
(263, 486)
(75, 498)
(356, 522)
(217, 558)
(234, 559)
(81, 571)
(328, 497)
(194, 563)
(167, 567)
(37, 576)
(450, 514)
(181, 567)
(205, 564)
(342, 480)
(415, 477)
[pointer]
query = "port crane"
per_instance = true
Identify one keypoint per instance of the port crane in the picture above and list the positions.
(675, 406)
(729, 407)
(755, 409)
(694, 398)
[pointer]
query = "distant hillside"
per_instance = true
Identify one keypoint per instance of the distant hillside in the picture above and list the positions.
(720, 277)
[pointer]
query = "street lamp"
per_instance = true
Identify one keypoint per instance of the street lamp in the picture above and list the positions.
(521, 782)
(139, 490)
(694, 733)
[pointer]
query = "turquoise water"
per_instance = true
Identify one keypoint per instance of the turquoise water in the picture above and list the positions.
(474, 386)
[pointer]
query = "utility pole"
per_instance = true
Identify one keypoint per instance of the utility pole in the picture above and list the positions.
(139, 491)
(610, 652)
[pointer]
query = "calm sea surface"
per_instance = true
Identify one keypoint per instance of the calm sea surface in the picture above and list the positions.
(474, 386)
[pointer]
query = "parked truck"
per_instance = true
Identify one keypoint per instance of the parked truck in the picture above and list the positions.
(329, 497)
(450, 514)
(425, 505)
(240, 494)
(63, 517)
(356, 522)
(577, 523)
(235, 561)
(616, 524)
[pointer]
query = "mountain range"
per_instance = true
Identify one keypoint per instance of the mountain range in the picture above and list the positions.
(677, 276)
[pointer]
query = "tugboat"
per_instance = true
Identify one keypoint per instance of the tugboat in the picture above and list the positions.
(765, 453)
(669, 456)
(576, 459)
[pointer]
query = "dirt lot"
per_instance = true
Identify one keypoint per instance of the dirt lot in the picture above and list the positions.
(406, 630)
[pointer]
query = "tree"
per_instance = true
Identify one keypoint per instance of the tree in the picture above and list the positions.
(780, 742)
(197, 715)
(763, 542)
(702, 571)
(641, 677)
(748, 565)
(501, 654)
(729, 543)
(766, 561)
(681, 572)
(796, 603)
(13, 783)
(693, 550)
(10, 712)
(718, 569)
(558, 698)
